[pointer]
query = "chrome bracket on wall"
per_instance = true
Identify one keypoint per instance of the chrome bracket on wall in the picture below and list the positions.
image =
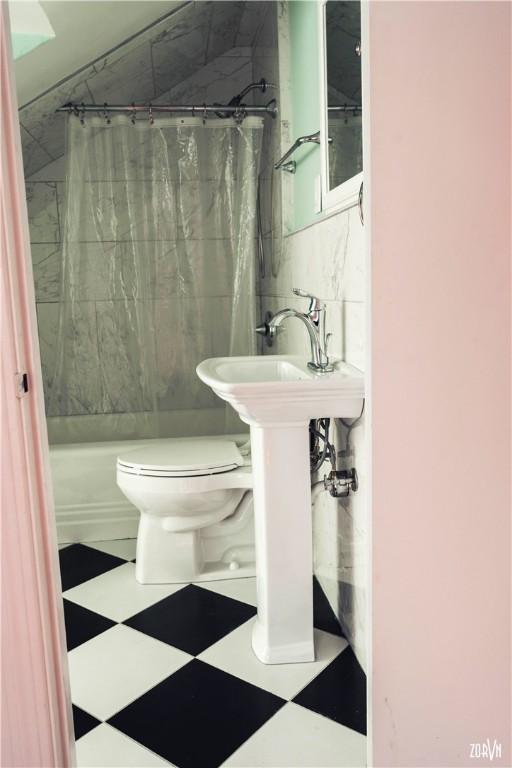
(282, 165)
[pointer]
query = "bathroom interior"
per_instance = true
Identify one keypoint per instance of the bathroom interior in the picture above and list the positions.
(194, 183)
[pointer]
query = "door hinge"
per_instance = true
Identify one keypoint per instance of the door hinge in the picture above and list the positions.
(21, 384)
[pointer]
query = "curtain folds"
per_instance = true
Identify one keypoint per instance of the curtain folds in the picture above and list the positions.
(158, 266)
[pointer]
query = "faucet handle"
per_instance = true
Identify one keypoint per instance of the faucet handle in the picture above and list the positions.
(314, 302)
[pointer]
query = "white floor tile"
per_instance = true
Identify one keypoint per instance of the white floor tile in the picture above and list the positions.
(239, 589)
(117, 595)
(118, 666)
(105, 747)
(234, 654)
(298, 738)
(124, 548)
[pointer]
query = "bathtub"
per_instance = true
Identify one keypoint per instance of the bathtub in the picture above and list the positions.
(88, 504)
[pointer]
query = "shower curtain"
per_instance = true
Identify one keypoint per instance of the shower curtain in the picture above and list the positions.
(158, 270)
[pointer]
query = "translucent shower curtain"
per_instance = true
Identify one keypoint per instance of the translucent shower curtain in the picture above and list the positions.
(158, 271)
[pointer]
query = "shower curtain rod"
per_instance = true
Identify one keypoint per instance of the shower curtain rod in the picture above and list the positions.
(196, 110)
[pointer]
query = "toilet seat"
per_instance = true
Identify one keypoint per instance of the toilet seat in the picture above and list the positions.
(180, 457)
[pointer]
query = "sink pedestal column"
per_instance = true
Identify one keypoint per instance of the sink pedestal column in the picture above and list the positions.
(284, 549)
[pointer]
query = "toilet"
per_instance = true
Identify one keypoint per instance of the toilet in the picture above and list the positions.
(196, 509)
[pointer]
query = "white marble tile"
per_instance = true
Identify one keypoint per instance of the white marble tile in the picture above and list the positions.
(125, 66)
(127, 79)
(46, 262)
(45, 124)
(97, 272)
(234, 654)
(354, 276)
(99, 683)
(43, 212)
(181, 49)
(47, 326)
(354, 321)
(127, 356)
(35, 156)
(224, 24)
(55, 170)
(117, 594)
(79, 390)
(297, 737)
(106, 747)
(217, 82)
(251, 22)
(180, 350)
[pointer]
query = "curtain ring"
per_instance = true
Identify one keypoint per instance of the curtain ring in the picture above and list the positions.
(105, 113)
(151, 118)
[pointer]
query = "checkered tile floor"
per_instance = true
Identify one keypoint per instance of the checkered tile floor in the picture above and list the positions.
(165, 675)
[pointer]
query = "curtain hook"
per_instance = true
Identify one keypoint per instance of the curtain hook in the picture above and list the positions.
(151, 118)
(82, 113)
(205, 114)
(239, 115)
(105, 113)
(134, 113)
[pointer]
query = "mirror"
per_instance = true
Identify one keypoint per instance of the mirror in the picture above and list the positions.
(341, 103)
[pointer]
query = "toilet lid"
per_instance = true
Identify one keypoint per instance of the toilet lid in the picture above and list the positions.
(182, 458)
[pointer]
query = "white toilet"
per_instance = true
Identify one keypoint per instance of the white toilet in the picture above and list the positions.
(196, 513)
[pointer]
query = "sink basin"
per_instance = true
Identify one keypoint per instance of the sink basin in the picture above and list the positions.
(278, 395)
(270, 389)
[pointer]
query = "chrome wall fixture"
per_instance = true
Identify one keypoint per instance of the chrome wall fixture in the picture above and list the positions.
(311, 138)
(291, 165)
(314, 320)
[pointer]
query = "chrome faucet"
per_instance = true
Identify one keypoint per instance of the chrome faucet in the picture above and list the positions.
(314, 320)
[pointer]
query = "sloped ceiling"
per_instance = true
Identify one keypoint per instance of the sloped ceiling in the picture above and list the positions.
(141, 69)
(84, 30)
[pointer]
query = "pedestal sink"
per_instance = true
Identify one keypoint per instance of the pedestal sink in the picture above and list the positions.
(277, 396)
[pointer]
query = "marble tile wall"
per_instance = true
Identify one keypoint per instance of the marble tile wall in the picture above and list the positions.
(142, 69)
(217, 80)
(328, 260)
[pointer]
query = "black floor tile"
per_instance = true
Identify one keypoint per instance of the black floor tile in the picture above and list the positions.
(197, 717)
(323, 615)
(83, 624)
(79, 563)
(339, 692)
(192, 619)
(83, 722)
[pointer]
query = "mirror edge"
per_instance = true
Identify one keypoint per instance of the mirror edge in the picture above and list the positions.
(346, 195)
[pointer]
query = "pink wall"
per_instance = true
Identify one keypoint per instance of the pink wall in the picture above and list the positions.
(35, 705)
(440, 231)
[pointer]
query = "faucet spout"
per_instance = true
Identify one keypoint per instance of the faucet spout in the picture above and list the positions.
(315, 328)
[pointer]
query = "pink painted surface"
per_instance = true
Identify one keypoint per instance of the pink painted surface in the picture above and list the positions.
(440, 232)
(35, 715)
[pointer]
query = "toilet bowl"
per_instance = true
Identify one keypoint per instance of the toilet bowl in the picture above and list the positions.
(196, 514)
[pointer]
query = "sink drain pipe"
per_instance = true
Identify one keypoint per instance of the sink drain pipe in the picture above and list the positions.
(339, 482)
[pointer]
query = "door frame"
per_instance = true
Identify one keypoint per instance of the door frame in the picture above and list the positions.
(37, 724)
